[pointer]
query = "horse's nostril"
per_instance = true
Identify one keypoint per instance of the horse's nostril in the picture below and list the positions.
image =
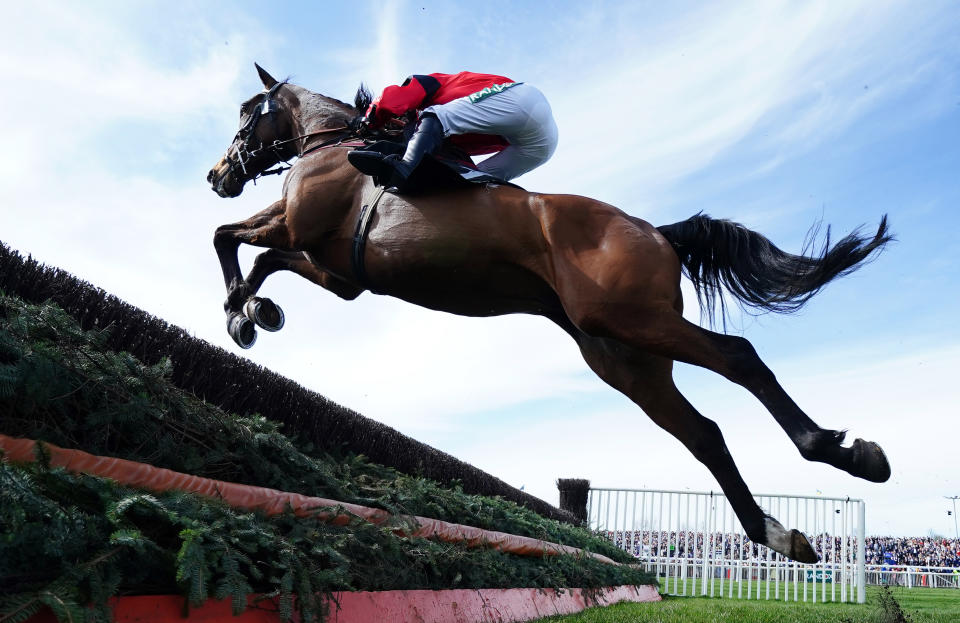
(210, 176)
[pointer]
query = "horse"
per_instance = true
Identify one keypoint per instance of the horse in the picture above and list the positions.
(610, 280)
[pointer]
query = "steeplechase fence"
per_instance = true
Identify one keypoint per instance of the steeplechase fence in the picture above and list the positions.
(697, 546)
(241, 386)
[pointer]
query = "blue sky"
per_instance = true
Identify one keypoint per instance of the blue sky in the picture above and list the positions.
(772, 114)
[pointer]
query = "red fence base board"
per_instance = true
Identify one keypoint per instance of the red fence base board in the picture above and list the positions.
(478, 606)
(450, 606)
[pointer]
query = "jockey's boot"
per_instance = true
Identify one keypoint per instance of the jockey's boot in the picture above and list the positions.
(424, 141)
(370, 163)
(392, 170)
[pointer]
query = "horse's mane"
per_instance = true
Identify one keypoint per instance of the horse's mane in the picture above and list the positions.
(331, 107)
(317, 105)
(363, 98)
(326, 107)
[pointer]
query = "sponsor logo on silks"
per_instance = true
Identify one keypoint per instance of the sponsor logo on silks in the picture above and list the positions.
(490, 90)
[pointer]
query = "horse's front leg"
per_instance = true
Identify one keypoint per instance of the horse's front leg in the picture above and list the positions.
(265, 313)
(296, 262)
(265, 229)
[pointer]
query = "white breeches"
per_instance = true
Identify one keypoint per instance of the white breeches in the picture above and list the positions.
(520, 114)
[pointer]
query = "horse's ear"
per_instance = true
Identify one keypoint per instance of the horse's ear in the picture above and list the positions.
(267, 79)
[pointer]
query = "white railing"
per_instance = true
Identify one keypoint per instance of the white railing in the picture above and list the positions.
(751, 579)
(695, 543)
(914, 577)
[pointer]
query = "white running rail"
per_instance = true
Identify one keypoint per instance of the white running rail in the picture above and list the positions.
(914, 576)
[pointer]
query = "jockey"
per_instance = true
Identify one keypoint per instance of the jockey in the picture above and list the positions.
(482, 113)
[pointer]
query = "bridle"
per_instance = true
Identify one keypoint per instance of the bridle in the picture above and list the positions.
(269, 108)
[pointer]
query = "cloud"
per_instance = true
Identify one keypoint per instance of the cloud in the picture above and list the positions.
(387, 47)
(659, 108)
(376, 60)
(646, 98)
(96, 89)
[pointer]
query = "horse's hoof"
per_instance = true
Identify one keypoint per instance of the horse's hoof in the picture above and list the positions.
(793, 544)
(802, 550)
(869, 461)
(242, 330)
(265, 313)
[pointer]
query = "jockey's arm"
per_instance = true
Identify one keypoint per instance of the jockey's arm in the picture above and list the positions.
(395, 101)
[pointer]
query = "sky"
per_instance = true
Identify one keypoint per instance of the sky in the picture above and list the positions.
(773, 114)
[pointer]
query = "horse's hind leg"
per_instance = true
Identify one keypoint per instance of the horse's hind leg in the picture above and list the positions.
(666, 333)
(648, 381)
(624, 284)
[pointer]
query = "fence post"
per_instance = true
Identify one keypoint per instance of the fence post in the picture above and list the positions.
(707, 544)
(862, 556)
(573, 496)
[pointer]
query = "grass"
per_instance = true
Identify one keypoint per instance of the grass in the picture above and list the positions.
(919, 605)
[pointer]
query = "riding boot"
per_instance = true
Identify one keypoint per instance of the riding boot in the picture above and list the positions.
(425, 140)
(370, 163)
(391, 170)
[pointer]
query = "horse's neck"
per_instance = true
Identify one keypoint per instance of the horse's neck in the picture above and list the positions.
(317, 112)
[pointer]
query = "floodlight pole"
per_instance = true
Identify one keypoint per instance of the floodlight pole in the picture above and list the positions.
(954, 498)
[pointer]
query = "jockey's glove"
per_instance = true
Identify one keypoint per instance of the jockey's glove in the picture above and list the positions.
(360, 126)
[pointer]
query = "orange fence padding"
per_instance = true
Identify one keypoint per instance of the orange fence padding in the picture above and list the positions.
(273, 502)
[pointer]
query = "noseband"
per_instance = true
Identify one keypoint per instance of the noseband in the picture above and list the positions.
(269, 108)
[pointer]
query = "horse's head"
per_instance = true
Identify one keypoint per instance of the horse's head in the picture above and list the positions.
(261, 142)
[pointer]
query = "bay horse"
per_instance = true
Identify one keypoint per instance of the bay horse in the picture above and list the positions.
(609, 279)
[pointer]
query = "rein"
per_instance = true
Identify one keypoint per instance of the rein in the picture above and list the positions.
(334, 142)
(276, 144)
(268, 107)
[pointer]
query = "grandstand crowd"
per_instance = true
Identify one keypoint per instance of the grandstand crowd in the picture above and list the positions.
(913, 551)
(880, 550)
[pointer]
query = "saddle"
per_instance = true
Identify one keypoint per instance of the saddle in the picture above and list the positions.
(448, 168)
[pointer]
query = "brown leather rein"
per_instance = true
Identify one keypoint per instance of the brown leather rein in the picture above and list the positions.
(334, 142)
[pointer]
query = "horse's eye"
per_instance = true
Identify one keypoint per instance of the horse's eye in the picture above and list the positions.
(243, 109)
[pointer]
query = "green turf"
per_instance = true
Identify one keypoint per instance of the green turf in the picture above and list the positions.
(921, 605)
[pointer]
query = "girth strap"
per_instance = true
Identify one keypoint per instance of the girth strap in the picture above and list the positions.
(360, 241)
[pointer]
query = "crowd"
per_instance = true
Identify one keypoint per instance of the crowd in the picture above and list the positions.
(880, 550)
(913, 551)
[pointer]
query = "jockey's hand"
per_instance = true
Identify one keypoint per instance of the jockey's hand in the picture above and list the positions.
(360, 126)
(395, 124)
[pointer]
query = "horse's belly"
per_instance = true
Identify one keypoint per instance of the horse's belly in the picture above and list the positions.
(483, 259)
(481, 289)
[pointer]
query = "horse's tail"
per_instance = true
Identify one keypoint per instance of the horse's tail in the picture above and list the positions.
(716, 252)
